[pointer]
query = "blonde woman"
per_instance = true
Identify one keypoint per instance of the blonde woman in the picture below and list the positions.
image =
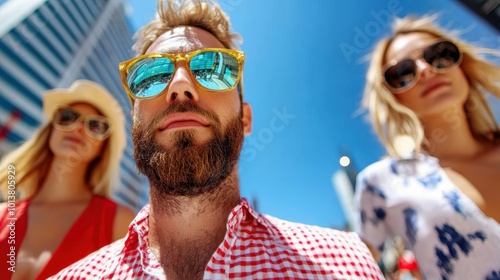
(57, 207)
(427, 96)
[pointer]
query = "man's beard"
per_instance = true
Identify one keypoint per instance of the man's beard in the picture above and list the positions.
(186, 168)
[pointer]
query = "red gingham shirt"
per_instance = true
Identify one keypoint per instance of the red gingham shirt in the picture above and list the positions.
(255, 247)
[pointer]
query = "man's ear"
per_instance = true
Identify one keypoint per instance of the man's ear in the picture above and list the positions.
(247, 119)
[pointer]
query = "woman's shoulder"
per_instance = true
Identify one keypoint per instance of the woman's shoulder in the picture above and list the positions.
(13, 204)
(418, 166)
(117, 216)
(379, 168)
(13, 209)
(104, 201)
(124, 212)
(120, 210)
(123, 218)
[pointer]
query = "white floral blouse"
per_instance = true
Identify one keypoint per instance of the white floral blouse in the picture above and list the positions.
(449, 235)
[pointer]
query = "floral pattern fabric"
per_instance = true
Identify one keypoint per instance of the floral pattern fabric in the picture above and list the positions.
(414, 199)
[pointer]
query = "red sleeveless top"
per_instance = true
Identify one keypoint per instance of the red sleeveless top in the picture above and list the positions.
(91, 230)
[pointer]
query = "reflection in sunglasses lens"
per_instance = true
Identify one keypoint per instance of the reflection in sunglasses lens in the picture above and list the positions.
(213, 70)
(149, 77)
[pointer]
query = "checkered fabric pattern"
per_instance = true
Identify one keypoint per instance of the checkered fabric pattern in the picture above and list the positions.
(255, 247)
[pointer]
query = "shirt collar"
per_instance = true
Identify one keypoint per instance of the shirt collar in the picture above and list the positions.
(242, 213)
(240, 219)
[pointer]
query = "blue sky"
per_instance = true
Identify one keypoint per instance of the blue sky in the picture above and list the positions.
(304, 76)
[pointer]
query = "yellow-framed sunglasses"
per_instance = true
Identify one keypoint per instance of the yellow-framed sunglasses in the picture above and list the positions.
(213, 69)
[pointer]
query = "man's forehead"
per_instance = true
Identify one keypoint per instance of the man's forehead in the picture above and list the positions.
(184, 39)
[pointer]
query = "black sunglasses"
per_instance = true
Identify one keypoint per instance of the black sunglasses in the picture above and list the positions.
(401, 75)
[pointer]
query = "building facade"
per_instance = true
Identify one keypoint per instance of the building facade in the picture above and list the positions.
(46, 44)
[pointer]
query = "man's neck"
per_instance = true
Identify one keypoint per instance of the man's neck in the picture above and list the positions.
(185, 231)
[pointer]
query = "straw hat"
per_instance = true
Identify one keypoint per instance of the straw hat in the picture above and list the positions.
(84, 91)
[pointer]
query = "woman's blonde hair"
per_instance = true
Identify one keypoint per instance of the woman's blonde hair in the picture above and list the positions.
(206, 15)
(391, 119)
(32, 160)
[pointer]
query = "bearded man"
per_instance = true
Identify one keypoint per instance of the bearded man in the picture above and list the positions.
(189, 121)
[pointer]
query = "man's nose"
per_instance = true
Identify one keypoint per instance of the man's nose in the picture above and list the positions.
(182, 86)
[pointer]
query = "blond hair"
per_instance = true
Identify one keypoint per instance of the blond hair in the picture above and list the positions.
(391, 119)
(206, 15)
(32, 161)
